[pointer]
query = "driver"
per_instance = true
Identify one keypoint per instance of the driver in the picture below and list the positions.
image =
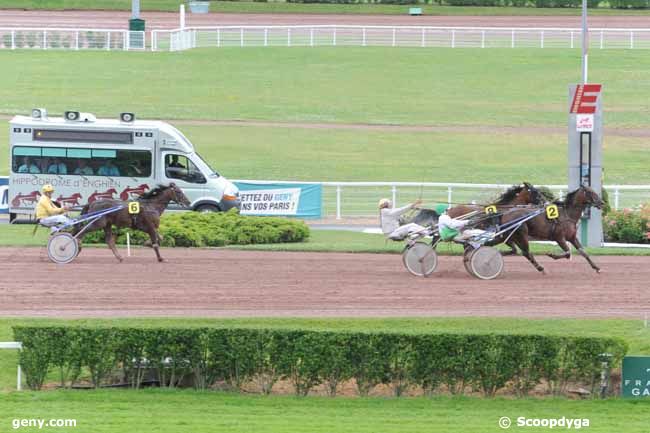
(47, 213)
(389, 220)
(452, 228)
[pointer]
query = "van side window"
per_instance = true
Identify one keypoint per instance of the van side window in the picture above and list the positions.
(180, 167)
(81, 161)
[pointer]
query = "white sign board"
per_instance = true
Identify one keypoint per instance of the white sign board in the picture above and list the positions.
(4, 198)
(270, 201)
(584, 122)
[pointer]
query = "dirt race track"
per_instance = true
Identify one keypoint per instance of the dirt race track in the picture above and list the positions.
(228, 283)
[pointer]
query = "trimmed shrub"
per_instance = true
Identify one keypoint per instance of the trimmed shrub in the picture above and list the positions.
(200, 357)
(211, 229)
(627, 226)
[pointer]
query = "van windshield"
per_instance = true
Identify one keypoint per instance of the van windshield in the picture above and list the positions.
(207, 165)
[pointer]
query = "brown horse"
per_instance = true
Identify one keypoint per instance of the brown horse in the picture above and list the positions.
(516, 195)
(560, 230)
(152, 206)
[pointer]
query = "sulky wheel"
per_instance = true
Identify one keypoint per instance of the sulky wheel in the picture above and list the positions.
(486, 263)
(62, 248)
(467, 255)
(420, 259)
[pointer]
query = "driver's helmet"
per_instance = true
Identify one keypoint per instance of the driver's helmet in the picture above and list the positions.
(441, 208)
(47, 188)
(384, 202)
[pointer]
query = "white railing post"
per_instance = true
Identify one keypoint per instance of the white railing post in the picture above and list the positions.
(288, 36)
(13, 39)
(453, 38)
(449, 192)
(541, 41)
(334, 37)
(617, 196)
(218, 38)
(394, 194)
(45, 39)
(338, 202)
(241, 37)
(394, 36)
(76, 40)
(483, 39)
(19, 378)
(602, 34)
(561, 195)
(311, 37)
(363, 44)
(108, 41)
(127, 39)
(631, 40)
(266, 37)
(423, 44)
(512, 39)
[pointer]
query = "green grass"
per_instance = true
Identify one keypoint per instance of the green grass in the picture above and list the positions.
(354, 242)
(437, 86)
(314, 8)
(177, 411)
(319, 241)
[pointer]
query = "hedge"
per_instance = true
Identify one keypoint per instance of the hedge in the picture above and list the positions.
(628, 226)
(212, 229)
(204, 356)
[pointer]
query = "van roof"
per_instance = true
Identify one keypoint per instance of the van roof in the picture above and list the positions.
(97, 124)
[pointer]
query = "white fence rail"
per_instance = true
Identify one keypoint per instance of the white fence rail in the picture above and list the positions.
(395, 36)
(359, 199)
(71, 39)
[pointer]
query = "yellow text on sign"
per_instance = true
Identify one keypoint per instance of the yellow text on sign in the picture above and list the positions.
(134, 207)
(552, 212)
(491, 210)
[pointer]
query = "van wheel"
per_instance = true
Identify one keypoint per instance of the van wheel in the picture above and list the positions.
(12, 217)
(207, 208)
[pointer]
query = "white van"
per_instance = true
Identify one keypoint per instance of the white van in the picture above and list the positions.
(88, 159)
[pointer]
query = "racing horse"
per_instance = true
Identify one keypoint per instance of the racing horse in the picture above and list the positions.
(516, 195)
(562, 229)
(152, 206)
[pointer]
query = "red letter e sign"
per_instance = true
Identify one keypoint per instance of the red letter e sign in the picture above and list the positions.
(584, 100)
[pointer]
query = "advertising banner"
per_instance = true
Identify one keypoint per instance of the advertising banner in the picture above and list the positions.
(4, 195)
(636, 377)
(280, 199)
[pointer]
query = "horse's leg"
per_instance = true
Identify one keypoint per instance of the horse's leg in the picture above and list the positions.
(110, 240)
(520, 238)
(513, 249)
(576, 243)
(567, 251)
(150, 229)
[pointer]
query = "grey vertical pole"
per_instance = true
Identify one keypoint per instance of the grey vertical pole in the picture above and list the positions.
(135, 9)
(585, 43)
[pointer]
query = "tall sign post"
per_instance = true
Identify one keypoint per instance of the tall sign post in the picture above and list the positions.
(136, 27)
(585, 153)
(586, 141)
